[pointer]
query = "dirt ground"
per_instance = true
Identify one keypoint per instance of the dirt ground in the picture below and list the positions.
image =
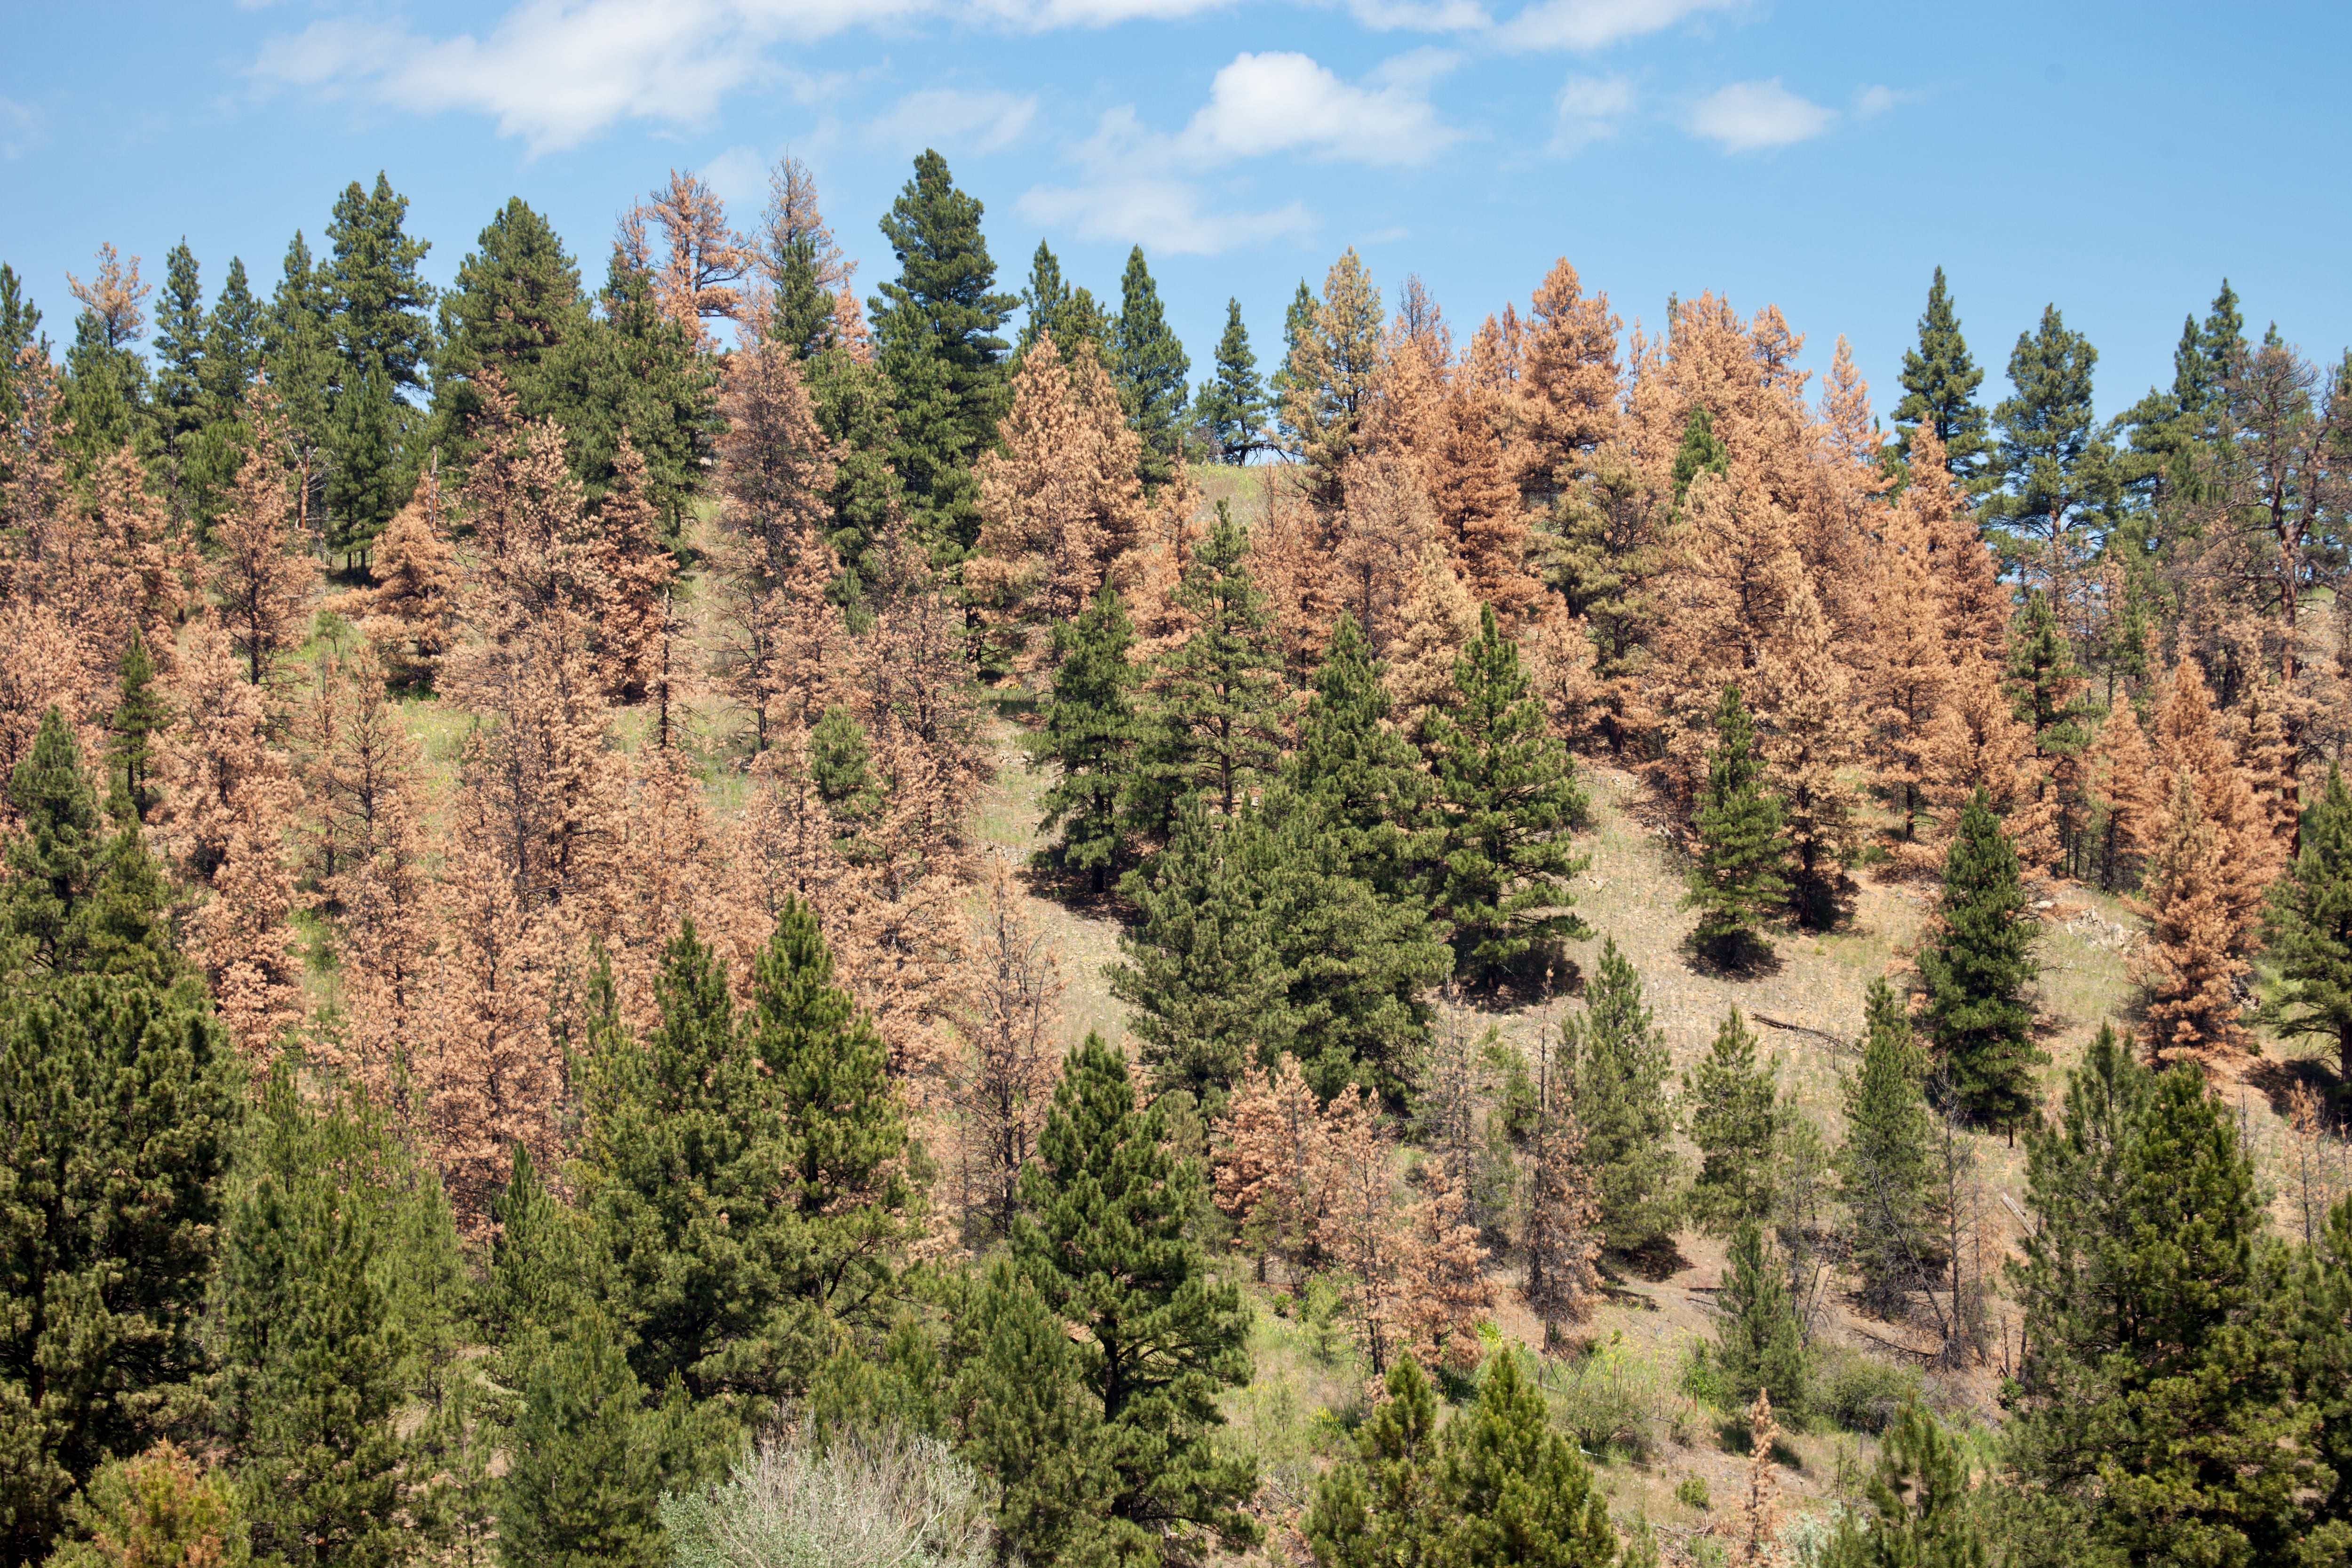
(1809, 1013)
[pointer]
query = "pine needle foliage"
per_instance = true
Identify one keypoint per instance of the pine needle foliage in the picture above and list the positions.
(1104, 1242)
(1975, 970)
(1505, 801)
(1737, 880)
(1613, 1058)
(2311, 927)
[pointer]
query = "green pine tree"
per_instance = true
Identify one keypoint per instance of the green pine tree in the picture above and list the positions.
(178, 349)
(2046, 685)
(852, 400)
(841, 765)
(121, 1095)
(515, 299)
(1613, 1058)
(1072, 315)
(686, 1153)
(2053, 462)
(1920, 1514)
(378, 307)
(1356, 964)
(1090, 735)
(1384, 1510)
(1200, 966)
(1731, 1111)
(1517, 1491)
(584, 1484)
(20, 330)
(2155, 1417)
(140, 713)
(828, 1073)
(2310, 927)
(2323, 1367)
(1150, 366)
(1360, 770)
(1759, 1341)
(54, 862)
(297, 344)
(1034, 1431)
(1233, 405)
(1217, 720)
(1939, 390)
(1701, 451)
(1735, 881)
(1505, 801)
(1497, 1485)
(935, 335)
(1975, 970)
(1103, 1240)
(105, 399)
(232, 356)
(1298, 325)
(631, 367)
(1885, 1170)
(312, 1346)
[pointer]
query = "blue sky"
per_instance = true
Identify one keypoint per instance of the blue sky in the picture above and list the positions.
(2116, 159)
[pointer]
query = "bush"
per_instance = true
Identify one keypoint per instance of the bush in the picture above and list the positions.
(1691, 1491)
(1860, 1394)
(879, 1500)
(1612, 1401)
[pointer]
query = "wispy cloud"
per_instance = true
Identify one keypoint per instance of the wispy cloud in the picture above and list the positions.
(1590, 109)
(1420, 16)
(1869, 102)
(1596, 23)
(1142, 185)
(1284, 102)
(1161, 214)
(23, 127)
(1752, 116)
(555, 72)
(948, 117)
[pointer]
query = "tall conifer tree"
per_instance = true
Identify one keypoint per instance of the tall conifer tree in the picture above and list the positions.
(1156, 1339)
(1735, 880)
(1615, 1060)
(935, 335)
(1939, 380)
(1885, 1167)
(1505, 801)
(1731, 1111)
(1363, 773)
(1151, 366)
(2311, 927)
(1217, 715)
(1975, 971)
(1090, 735)
(1232, 403)
(2156, 1418)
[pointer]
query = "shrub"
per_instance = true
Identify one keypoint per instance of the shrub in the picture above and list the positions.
(877, 1499)
(1860, 1394)
(1691, 1491)
(1612, 1401)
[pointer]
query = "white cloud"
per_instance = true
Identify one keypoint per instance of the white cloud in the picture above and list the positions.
(1597, 24)
(1161, 214)
(1420, 16)
(1869, 102)
(980, 121)
(555, 72)
(23, 127)
(1590, 109)
(1283, 102)
(1749, 116)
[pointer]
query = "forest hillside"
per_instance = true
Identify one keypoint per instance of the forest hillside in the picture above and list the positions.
(703, 920)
